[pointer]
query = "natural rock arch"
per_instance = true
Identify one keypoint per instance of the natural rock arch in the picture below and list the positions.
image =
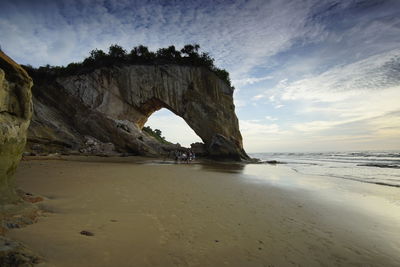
(125, 96)
(172, 128)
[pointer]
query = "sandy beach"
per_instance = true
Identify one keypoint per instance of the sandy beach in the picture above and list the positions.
(149, 213)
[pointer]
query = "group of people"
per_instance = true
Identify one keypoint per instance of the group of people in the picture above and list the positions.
(184, 156)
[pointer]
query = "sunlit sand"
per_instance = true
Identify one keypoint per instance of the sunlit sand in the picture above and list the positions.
(205, 215)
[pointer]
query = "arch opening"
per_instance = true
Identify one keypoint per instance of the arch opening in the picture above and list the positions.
(173, 128)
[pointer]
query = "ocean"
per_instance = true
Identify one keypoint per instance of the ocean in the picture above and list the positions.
(376, 167)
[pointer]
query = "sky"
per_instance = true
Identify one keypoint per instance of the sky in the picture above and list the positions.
(310, 75)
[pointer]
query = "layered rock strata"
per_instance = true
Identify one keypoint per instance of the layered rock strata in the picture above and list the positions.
(111, 105)
(15, 115)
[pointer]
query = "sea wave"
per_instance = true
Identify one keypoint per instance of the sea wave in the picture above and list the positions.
(375, 167)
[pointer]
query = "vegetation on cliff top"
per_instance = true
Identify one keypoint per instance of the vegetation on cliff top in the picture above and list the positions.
(157, 134)
(188, 55)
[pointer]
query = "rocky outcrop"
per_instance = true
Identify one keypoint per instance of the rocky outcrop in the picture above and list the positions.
(13, 253)
(15, 114)
(111, 105)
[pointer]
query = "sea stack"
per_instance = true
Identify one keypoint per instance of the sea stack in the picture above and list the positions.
(15, 115)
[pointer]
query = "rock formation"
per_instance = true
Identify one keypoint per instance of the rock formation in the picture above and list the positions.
(111, 105)
(15, 115)
(13, 253)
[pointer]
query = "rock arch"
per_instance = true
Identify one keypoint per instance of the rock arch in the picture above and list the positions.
(172, 127)
(93, 103)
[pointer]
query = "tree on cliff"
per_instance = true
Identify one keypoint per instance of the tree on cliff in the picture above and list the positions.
(97, 55)
(141, 53)
(117, 55)
(116, 51)
(190, 49)
(156, 133)
(169, 53)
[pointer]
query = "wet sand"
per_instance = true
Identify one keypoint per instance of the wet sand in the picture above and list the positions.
(154, 214)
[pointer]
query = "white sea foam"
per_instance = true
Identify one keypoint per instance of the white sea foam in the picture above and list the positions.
(378, 167)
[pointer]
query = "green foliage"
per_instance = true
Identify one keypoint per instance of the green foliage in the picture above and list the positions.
(169, 53)
(141, 54)
(188, 55)
(156, 133)
(190, 50)
(223, 74)
(97, 55)
(116, 51)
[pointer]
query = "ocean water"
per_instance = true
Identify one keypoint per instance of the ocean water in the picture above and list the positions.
(377, 167)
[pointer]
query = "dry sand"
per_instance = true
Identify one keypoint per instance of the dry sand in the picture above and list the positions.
(206, 215)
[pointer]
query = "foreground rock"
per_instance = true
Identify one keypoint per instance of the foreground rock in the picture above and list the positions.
(111, 105)
(15, 115)
(13, 253)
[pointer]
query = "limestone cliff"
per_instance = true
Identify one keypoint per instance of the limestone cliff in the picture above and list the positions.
(15, 114)
(109, 106)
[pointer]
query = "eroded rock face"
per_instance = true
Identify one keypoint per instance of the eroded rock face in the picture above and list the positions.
(15, 114)
(113, 104)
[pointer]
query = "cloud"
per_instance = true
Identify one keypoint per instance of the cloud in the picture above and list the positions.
(377, 133)
(361, 90)
(256, 97)
(255, 128)
(256, 135)
(333, 65)
(314, 126)
(351, 106)
(252, 80)
(240, 35)
(373, 73)
(270, 118)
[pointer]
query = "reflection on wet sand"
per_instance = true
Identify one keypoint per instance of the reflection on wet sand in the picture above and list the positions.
(223, 167)
(204, 215)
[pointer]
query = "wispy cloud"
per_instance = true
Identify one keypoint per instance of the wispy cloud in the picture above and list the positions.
(240, 35)
(270, 118)
(374, 73)
(252, 80)
(251, 127)
(307, 73)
